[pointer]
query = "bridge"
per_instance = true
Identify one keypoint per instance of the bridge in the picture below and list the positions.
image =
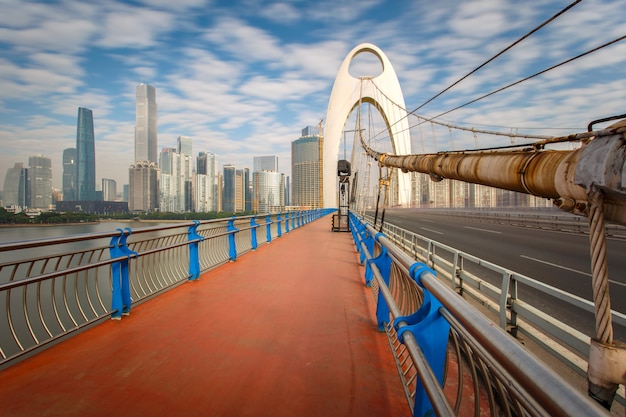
(292, 328)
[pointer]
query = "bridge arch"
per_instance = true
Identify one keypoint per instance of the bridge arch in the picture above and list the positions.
(346, 94)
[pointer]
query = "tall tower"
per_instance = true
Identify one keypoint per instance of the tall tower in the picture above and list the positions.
(265, 163)
(306, 170)
(229, 191)
(146, 124)
(69, 174)
(85, 156)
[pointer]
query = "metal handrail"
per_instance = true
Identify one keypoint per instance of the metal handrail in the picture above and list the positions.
(514, 381)
(50, 296)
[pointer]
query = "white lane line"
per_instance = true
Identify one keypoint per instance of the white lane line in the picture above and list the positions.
(568, 269)
(483, 230)
(430, 230)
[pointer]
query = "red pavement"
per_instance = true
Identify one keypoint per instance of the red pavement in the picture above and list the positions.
(287, 331)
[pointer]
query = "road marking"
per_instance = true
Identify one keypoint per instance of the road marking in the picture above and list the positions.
(483, 230)
(430, 230)
(568, 269)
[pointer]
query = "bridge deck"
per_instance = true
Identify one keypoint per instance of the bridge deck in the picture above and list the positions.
(286, 331)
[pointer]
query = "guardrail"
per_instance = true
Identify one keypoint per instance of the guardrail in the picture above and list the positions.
(496, 288)
(450, 357)
(51, 288)
(559, 221)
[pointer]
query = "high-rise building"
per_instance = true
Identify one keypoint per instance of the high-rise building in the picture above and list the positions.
(15, 191)
(176, 180)
(185, 145)
(268, 192)
(40, 178)
(265, 163)
(85, 157)
(306, 170)
(229, 190)
(207, 191)
(69, 174)
(109, 189)
(146, 147)
(143, 187)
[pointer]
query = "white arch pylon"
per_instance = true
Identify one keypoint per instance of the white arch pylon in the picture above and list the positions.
(346, 94)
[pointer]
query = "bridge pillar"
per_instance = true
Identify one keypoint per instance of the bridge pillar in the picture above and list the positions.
(347, 93)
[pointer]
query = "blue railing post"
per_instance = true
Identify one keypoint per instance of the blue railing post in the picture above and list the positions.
(299, 218)
(431, 331)
(293, 220)
(268, 228)
(287, 222)
(253, 226)
(232, 250)
(383, 263)
(278, 225)
(194, 258)
(120, 294)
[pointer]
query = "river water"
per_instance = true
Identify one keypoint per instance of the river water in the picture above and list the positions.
(20, 233)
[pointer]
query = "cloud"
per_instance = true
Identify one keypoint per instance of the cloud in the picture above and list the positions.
(132, 27)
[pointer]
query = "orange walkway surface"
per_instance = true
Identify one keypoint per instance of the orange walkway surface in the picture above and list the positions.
(289, 330)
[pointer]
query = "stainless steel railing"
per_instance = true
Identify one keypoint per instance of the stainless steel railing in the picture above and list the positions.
(51, 288)
(451, 359)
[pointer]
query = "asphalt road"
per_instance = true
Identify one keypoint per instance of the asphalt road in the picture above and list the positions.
(559, 259)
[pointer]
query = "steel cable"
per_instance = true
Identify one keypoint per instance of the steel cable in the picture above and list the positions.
(600, 279)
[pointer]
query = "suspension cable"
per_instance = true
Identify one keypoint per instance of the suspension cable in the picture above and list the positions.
(497, 55)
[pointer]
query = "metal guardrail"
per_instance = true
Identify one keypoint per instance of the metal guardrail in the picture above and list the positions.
(51, 288)
(450, 357)
(559, 221)
(467, 275)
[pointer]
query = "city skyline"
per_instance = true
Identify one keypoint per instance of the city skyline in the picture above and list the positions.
(242, 79)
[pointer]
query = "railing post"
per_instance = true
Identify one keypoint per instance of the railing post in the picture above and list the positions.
(278, 225)
(268, 228)
(120, 283)
(253, 226)
(383, 263)
(231, 240)
(293, 220)
(431, 331)
(299, 218)
(287, 222)
(194, 259)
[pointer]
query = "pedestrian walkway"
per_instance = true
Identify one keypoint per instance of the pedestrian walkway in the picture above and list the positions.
(288, 330)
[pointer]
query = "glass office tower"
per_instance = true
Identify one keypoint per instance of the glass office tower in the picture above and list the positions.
(85, 157)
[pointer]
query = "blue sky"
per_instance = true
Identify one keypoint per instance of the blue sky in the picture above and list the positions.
(242, 78)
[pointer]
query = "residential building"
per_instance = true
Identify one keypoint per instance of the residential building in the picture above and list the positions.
(16, 187)
(143, 187)
(109, 189)
(229, 190)
(40, 181)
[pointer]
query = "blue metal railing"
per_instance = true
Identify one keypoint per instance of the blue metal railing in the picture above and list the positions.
(447, 352)
(62, 289)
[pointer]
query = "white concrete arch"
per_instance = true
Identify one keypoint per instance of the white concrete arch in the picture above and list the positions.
(345, 96)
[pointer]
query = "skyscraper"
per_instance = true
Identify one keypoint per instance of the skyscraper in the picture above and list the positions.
(109, 189)
(306, 170)
(207, 191)
(146, 124)
(40, 178)
(185, 145)
(85, 156)
(268, 191)
(15, 191)
(265, 163)
(69, 174)
(143, 187)
(229, 192)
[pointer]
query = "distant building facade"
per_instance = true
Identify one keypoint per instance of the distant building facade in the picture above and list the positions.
(268, 192)
(69, 174)
(229, 188)
(306, 170)
(16, 191)
(265, 163)
(40, 181)
(207, 183)
(143, 187)
(146, 143)
(109, 189)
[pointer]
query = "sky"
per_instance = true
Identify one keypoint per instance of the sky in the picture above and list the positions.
(244, 77)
